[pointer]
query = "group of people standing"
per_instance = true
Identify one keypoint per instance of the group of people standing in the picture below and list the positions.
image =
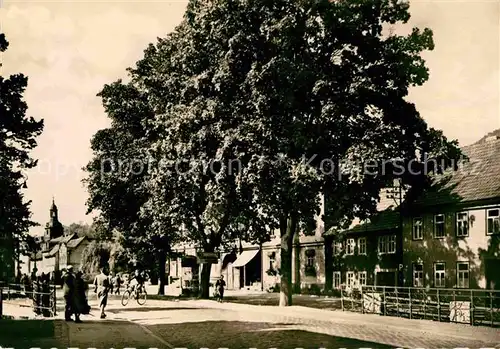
(75, 295)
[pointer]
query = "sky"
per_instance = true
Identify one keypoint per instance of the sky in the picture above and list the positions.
(70, 49)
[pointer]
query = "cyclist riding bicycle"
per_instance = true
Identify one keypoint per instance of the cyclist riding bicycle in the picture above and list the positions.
(137, 282)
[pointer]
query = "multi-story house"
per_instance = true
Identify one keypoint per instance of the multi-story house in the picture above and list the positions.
(452, 238)
(253, 266)
(369, 252)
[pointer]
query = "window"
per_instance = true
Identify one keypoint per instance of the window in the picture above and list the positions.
(418, 275)
(463, 275)
(439, 226)
(387, 244)
(391, 244)
(337, 281)
(439, 275)
(272, 260)
(350, 279)
(310, 255)
(493, 217)
(462, 224)
(362, 278)
(418, 233)
(362, 246)
(382, 244)
(338, 248)
(350, 246)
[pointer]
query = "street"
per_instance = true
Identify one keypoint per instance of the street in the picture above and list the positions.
(208, 324)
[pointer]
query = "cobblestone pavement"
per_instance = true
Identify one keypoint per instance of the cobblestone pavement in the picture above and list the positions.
(391, 331)
(373, 328)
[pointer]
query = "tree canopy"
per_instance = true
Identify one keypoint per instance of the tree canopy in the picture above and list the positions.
(250, 109)
(18, 134)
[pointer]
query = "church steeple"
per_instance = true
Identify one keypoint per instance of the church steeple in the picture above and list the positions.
(53, 211)
(54, 228)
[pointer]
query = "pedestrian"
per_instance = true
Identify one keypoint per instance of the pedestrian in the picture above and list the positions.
(111, 283)
(80, 300)
(117, 283)
(219, 285)
(101, 287)
(37, 299)
(69, 292)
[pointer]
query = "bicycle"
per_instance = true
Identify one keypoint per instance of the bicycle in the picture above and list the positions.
(139, 295)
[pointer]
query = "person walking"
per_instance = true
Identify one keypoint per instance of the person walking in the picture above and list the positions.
(101, 287)
(69, 292)
(220, 284)
(117, 282)
(80, 301)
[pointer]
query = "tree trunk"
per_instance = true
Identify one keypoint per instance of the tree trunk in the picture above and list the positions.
(287, 230)
(296, 284)
(162, 259)
(205, 281)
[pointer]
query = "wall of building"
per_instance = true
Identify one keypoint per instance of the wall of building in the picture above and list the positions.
(63, 256)
(75, 254)
(372, 262)
(47, 265)
(475, 249)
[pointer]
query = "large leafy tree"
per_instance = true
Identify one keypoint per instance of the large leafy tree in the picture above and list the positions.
(18, 134)
(118, 171)
(253, 106)
(310, 80)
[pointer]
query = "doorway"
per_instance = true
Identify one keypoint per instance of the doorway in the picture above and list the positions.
(386, 278)
(492, 273)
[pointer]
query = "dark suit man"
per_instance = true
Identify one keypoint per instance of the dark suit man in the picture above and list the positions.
(69, 292)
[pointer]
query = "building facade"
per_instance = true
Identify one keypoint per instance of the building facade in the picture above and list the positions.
(55, 250)
(370, 252)
(247, 266)
(449, 237)
(452, 237)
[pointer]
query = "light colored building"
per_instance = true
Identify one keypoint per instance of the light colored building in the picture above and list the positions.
(253, 267)
(56, 250)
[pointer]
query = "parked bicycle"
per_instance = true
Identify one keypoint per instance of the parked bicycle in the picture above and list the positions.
(139, 293)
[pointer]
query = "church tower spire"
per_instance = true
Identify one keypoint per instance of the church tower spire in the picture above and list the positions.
(53, 211)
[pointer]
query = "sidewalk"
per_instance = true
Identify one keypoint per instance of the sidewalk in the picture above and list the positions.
(382, 329)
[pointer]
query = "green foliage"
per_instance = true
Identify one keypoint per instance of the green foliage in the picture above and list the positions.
(18, 134)
(243, 115)
(103, 253)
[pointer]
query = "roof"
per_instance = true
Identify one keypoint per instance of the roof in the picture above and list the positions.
(387, 219)
(476, 180)
(37, 256)
(63, 239)
(53, 251)
(75, 242)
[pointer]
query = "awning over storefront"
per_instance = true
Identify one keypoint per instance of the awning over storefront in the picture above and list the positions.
(244, 258)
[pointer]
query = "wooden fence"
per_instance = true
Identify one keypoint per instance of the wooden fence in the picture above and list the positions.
(41, 297)
(469, 306)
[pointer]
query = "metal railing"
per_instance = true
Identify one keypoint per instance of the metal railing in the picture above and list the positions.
(468, 306)
(41, 297)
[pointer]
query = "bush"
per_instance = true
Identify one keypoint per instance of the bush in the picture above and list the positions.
(313, 289)
(331, 293)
